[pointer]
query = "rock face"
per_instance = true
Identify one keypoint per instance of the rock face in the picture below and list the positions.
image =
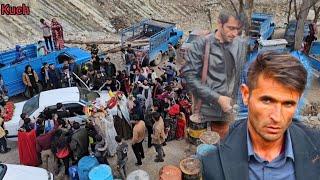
(81, 17)
(96, 19)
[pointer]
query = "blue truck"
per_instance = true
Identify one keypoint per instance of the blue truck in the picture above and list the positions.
(291, 30)
(158, 34)
(12, 73)
(314, 59)
(262, 26)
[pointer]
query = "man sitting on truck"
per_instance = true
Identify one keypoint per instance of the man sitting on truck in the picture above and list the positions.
(172, 54)
(20, 55)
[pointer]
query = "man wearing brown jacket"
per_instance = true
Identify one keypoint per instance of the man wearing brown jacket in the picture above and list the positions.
(137, 140)
(158, 136)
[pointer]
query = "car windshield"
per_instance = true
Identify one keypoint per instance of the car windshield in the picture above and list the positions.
(31, 105)
(87, 96)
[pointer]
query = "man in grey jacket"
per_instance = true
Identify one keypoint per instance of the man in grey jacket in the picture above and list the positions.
(226, 59)
(79, 142)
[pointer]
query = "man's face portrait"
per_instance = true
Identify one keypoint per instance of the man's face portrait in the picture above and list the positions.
(230, 29)
(271, 107)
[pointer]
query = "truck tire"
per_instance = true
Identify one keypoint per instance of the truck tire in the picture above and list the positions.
(157, 60)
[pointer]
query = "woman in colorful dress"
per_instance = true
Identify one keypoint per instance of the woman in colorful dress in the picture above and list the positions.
(57, 34)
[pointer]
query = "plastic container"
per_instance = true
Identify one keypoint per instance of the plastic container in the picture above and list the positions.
(85, 165)
(138, 175)
(204, 149)
(170, 172)
(73, 173)
(101, 172)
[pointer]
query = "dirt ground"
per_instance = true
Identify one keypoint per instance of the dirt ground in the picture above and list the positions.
(175, 151)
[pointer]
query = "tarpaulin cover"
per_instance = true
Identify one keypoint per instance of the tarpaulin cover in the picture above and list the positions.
(27, 148)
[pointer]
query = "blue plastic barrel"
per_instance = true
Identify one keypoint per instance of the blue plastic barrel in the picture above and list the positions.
(73, 173)
(204, 149)
(85, 165)
(101, 172)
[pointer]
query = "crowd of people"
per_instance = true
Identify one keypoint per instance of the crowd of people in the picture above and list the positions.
(157, 104)
(159, 109)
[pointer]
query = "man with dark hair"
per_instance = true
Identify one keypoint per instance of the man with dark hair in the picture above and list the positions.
(109, 68)
(43, 146)
(226, 56)
(122, 153)
(54, 76)
(100, 150)
(74, 67)
(158, 136)
(61, 111)
(171, 52)
(46, 30)
(270, 144)
(137, 139)
(67, 79)
(79, 142)
(45, 75)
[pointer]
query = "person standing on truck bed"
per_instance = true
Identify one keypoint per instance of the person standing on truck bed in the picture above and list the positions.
(20, 55)
(130, 58)
(46, 30)
(226, 58)
(109, 68)
(57, 34)
(172, 54)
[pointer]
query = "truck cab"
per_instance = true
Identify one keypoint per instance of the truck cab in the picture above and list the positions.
(157, 35)
(262, 27)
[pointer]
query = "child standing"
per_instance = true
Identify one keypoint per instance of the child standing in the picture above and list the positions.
(122, 158)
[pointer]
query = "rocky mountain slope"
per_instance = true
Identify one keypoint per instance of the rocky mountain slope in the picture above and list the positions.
(100, 19)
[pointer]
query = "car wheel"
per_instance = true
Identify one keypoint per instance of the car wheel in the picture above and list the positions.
(157, 60)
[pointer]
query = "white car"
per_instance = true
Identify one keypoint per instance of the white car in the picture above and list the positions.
(72, 98)
(14, 172)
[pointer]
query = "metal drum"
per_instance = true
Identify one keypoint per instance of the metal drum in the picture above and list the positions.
(170, 172)
(195, 129)
(209, 137)
(191, 169)
(138, 175)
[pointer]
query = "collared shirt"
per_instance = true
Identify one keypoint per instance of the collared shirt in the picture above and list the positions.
(280, 168)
